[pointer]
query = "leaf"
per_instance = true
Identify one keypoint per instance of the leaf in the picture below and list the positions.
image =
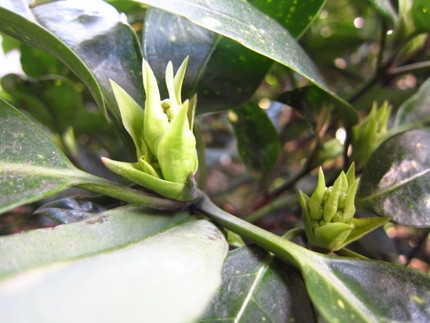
(54, 102)
(396, 180)
(264, 36)
(416, 108)
(18, 22)
(91, 38)
(104, 41)
(295, 16)
(342, 289)
(69, 209)
(104, 231)
(259, 287)
(352, 290)
(127, 266)
(223, 73)
(258, 142)
(31, 166)
(385, 8)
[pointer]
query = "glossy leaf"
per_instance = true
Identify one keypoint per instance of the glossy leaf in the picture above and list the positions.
(295, 16)
(31, 166)
(259, 287)
(132, 267)
(396, 181)
(416, 108)
(104, 231)
(258, 142)
(92, 39)
(223, 73)
(105, 42)
(70, 209)
(385, 8)
(19, 22)
(352, 290)
(54, 102)
(264, 36)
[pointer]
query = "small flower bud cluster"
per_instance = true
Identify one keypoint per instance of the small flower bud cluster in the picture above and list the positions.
(367, 136)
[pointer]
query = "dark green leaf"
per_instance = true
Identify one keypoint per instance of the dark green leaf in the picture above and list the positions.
(396, 181)
(258, 143)
(35, 62)
(295, 16)
(19, 22)
(222, 72)
(243, 23)
(125, 265)
(104, 41)
(91, 38)
(385, 8)
(258, 287)
(31, 166)
(351, 290)
(416, 108)
(54, 102)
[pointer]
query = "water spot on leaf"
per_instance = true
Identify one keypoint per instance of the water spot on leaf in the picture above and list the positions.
(210, 22)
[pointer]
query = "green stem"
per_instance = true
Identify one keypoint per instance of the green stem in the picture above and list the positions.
(274, 205)
(293, 233)
(127, 194)
(349, 253)
(284, 249)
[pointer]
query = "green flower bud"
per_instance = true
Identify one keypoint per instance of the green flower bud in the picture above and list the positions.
(328, 213)
(162, 134)
(367, 136)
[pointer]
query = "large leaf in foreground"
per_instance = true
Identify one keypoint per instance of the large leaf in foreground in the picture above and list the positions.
(31, 166)
(259, 287)
(248, 26)
(137, 269)
(396, 181)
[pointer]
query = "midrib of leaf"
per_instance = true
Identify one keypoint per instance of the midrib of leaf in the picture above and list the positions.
(258, 276)
(394, 187)
(321, 268)
(73, 175)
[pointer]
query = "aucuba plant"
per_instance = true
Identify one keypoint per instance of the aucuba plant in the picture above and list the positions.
(328, 214)
(162, 134)
(367, 136)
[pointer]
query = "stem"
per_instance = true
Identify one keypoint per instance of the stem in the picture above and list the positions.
(349, 253)
(411, 68)
(274, 205)
(127, 194)
(284, 249)
(293, 233)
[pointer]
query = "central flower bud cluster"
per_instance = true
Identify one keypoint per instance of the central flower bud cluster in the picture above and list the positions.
(162, 134)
